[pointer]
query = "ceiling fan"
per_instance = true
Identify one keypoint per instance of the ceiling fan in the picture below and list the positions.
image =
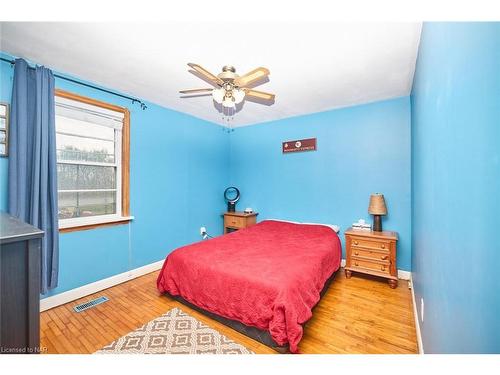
(229, 89)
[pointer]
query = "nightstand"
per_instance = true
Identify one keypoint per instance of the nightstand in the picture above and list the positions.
(372, 253)
(238, 220)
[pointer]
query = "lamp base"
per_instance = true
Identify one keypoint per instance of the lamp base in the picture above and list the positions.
(377, 223)
(231, 206)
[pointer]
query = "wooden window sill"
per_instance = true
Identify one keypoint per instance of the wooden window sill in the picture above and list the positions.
(107, 223)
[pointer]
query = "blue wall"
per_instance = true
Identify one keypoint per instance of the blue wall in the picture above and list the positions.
(178, 171)
(456, 186)
(361, 150)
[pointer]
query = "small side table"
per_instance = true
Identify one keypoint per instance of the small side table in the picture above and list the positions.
(372, 253)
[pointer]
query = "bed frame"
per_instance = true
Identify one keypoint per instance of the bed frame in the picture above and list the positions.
(255, 333)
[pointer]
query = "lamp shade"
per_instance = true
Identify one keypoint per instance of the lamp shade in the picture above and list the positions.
(238, 95)
(228, 103)
(377, 205)
(218, 95)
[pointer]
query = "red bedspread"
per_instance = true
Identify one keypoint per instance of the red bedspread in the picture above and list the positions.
(268, 276)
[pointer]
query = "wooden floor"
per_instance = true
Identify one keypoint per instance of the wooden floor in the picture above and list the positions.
(357, 315)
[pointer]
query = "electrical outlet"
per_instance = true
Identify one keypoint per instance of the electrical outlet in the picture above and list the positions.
(203, 231)
(422, 305)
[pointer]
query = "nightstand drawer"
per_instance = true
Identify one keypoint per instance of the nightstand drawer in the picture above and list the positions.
(370, 244)
(238, 220)
(234, 221)
(366, 264)
(381, 255)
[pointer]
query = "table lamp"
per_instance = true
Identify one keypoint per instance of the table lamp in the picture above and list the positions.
(377, 208)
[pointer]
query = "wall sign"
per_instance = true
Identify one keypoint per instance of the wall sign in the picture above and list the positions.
(299, 145)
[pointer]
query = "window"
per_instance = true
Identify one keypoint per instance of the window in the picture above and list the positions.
(92, 142)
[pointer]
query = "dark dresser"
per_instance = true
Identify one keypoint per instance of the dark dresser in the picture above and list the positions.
(20, 246)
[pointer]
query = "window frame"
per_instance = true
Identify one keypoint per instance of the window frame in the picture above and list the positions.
(122, 216)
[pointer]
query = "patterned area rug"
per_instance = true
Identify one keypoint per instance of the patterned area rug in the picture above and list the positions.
(175, 332)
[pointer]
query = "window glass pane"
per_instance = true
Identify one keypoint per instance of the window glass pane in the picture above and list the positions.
(3, 110)
(84, 141)
(81, 177)
(84, 149)
(82, 204)
(83, 128)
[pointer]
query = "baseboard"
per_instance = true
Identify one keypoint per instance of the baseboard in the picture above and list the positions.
(403, 275)
(417, 321)
(74, 294)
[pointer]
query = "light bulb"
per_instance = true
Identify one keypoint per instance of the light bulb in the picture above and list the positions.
(238, 95)
(218, 95)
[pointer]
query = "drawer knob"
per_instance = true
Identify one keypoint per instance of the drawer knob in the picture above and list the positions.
(356, 264)
(355, 242)
(383, 246)
(383, 257)
(356, 253)
(382, 268)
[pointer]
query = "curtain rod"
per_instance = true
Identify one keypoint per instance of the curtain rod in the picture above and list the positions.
(134, 100)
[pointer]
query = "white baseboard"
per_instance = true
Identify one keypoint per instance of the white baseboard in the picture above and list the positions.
(417, 321)
(403, 275)
(74, 294)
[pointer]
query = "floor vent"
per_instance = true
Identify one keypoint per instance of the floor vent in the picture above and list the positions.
(87, 305)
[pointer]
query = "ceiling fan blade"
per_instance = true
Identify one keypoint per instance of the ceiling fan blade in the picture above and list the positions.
(260, 95)
(205, 73)
(251, 77)
(204, 78)
(195, 91)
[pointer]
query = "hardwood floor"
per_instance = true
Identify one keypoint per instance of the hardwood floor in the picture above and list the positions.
(357, 315)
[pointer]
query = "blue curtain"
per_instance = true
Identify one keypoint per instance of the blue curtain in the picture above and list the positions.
(32, 161)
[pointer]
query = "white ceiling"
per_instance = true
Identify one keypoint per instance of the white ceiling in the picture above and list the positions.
(314, 66)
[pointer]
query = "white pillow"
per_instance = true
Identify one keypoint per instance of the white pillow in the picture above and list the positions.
(286, 221)
(333, 227)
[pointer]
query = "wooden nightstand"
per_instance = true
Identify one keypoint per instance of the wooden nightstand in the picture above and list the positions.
(373, 253)
(238, 220)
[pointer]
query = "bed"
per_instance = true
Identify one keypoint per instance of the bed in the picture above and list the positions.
(262, 281)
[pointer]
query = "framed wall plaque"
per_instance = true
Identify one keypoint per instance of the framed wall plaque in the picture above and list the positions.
(4, 129)
(299, 145)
